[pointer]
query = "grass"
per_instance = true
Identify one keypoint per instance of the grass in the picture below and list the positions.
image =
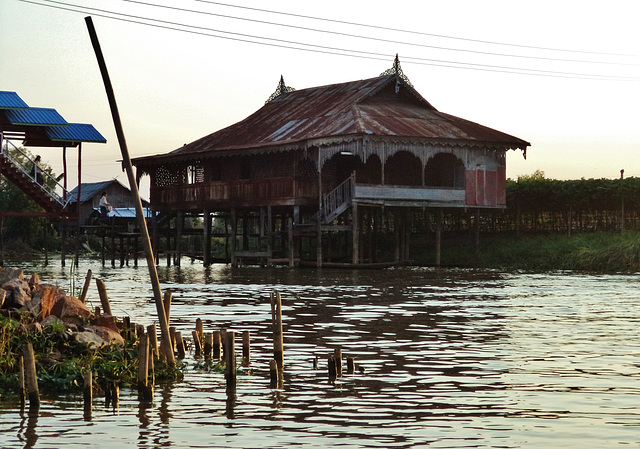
(603, 252)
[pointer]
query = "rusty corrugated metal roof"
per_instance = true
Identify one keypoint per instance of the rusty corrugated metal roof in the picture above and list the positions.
(385, 106)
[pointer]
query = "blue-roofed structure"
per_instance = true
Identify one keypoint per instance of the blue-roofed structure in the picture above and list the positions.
(35, 117)
(75, 132)
(39, 127)
(11, 100)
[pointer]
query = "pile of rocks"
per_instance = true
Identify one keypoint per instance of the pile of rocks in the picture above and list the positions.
(48, 302)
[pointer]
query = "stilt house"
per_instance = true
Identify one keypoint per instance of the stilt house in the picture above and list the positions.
(331, 173)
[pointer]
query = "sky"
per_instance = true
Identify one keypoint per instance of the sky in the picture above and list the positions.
(563, 75)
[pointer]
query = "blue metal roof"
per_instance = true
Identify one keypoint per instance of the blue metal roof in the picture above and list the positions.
(75, 132)
(35, 117)
(11, 100)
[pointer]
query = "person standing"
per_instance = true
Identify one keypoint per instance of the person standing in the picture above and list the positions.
(105, 207)
(37, 170)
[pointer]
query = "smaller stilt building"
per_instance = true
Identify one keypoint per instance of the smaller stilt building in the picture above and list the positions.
(328, 175)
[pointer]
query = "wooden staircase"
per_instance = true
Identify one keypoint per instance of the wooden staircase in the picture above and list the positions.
(20, 174)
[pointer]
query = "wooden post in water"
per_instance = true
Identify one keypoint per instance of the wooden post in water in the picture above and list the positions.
(22, 391)
(153, 339)
(216, 345)
(133, 185)
(87, 393)
(145, 392)
(30, 377)
(246, 348)
(351, 366)
(273, 374)
(208, 344)
(199, 329)
(230, 360)
(172, 338)
(439, 217)
(104, 299)
(331, 365)
(276, 315)
(337, 355)
(85, 288)
(180, 345)
(196, 343)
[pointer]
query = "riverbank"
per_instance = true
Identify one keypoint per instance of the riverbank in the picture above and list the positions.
(597, 252)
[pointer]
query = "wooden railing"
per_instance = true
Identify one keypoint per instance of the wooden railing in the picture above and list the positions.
(338, 200)
(233, 193)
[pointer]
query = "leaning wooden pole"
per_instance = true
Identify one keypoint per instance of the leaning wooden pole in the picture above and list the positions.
(142, 224)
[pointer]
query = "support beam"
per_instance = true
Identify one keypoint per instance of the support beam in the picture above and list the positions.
(439, 217)
(355, 223)
(206, 235)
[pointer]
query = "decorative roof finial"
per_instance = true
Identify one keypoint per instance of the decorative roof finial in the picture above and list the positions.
(397, 71)
(281, 89)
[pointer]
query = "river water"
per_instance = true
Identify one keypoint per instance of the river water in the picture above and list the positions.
(446, 358)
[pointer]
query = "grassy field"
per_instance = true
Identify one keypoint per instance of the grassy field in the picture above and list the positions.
(594, 252)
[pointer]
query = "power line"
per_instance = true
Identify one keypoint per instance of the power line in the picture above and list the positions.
(280, 43)
(378, 39)
(421, 33)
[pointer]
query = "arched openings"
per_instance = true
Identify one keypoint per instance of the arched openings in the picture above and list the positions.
(403, 169)
(444, 170)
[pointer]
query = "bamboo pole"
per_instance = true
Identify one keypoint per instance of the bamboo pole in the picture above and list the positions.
(85, 288)
(104, 298)
(216, 345)
(351, 367)
(230, 360)
(180, 345)
(196, 343)
(126, 163)
(87, 394)
(31, 379)
(22, 391)
(246, 348)
(276, 314)
(273, 372)
(208, 344)
(337, 355)
(153, 339)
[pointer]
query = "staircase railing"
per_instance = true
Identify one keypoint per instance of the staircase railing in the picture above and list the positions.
(337, 201)
(25, 165)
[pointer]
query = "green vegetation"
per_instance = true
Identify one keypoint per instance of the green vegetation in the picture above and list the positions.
(60, 360)
(603, 252)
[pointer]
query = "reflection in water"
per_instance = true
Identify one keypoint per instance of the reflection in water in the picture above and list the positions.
(27, 434)
(449, 358)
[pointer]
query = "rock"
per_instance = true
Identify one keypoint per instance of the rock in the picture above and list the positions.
(71, 309)
(108, 321)
(93, 340)
(19, 293)
(34, 280)
(97, 336)
(108, 335)
(51, 320)
(43, 298)
(9, 274)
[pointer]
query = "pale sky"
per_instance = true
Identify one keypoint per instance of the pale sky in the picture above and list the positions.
(577, 105)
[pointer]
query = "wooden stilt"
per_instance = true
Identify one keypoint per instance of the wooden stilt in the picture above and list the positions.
(22, 392)
(180, 345)
(351, 366)
(153, 339)
(439, 218)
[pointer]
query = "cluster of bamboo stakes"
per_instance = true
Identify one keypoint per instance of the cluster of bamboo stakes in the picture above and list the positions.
(218, 345)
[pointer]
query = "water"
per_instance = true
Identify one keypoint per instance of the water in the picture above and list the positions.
(451, 359)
